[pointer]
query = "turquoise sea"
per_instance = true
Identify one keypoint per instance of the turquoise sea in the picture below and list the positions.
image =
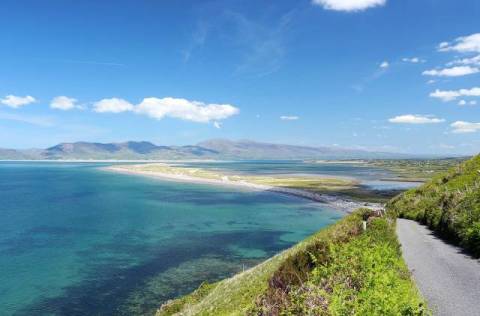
(77, 240)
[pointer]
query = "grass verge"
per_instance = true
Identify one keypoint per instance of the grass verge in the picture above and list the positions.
(340, 270)
(449, 204)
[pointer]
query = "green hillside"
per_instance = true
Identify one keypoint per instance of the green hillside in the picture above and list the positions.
(340, 270)
(449, 204)
(343, 270)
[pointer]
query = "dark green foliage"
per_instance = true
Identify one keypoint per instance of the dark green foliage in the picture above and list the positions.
(449, 204)
(296, 269)
(346, 272)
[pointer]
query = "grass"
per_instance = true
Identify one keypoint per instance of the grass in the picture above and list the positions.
(313, 184)
(343, 270)
(363, 275)
(416, 169)
(347, 188)
(449, 204)
(307, 183)
(338, 266)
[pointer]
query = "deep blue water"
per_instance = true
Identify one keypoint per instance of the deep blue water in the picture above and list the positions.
(76, 240)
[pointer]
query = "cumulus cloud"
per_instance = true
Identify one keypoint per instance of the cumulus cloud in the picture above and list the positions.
(157, 108)
(415, 119)
(456, 71)
(289, 118)
(464, 44)
(348, 5)
(15, 102)
(464, 102)
(462, 127)
(384, 65)
(63, 103)
(194, 111)
(466, 61)
(451, 95)
(113, 105)
(413, 60)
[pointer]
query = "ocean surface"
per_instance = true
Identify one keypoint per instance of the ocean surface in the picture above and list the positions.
(77, 240)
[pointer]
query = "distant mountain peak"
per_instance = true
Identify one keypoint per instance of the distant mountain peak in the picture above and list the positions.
(210, 149)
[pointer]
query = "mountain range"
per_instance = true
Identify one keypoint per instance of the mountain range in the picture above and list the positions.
(211, 149)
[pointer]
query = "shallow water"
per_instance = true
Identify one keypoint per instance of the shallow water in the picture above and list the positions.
(76, 240)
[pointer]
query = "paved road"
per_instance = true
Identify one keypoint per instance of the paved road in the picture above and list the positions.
(447, 278)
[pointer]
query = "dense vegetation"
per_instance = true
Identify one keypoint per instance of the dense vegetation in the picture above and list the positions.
(341, 270)
(449, 204)
(416, 169)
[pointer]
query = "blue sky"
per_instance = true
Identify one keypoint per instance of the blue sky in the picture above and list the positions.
(390, 75)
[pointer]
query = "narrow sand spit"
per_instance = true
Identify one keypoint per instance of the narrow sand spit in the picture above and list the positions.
(330, 200)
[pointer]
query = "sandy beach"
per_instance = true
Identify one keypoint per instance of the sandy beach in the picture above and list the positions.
(330, 200)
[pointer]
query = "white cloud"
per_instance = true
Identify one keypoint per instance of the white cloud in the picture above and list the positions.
(289, 118)
(194, 111)
(63, 103)
(464, 44)
(415, 119)
(413, 60)
(462, 127)
(113, 105)
(463, 102)
(450, 95)
(349, 5)
(456, 71)
(384, 65)
(431, 81)
(16, 101)
(466, 61)
(156, 108)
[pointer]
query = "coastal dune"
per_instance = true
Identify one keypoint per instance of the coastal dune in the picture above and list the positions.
(169, 173)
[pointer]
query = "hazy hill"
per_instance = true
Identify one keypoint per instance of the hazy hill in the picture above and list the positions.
(211, 149)
(256, 150)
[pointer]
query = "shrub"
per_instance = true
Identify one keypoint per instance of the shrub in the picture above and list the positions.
(361, 275)
(449, 204)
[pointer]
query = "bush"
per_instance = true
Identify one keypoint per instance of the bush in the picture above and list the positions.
(360, 275)
(449, 204)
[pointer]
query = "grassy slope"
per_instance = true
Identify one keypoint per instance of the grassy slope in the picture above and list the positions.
(236, 295)
(449, 204)
(382, 283)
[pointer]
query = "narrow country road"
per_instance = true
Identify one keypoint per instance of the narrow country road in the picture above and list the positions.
(448, 279)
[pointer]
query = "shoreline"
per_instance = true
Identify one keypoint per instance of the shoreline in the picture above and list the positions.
(335, 202)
